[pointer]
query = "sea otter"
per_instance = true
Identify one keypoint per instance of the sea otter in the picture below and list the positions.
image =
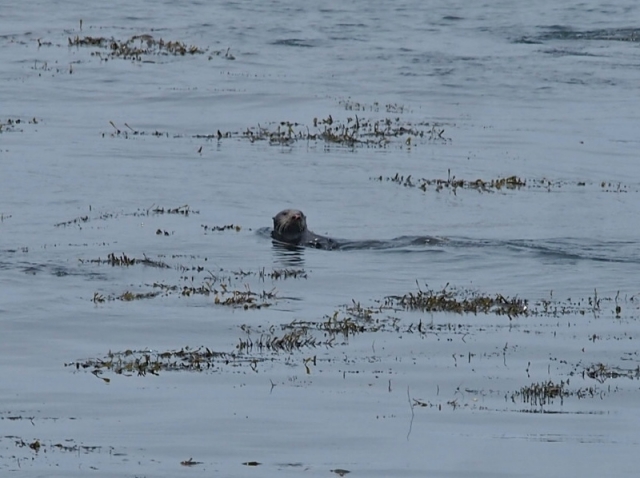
(290, 227)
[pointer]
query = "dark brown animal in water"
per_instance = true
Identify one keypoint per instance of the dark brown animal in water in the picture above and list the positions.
(290, 227)
(290, 230)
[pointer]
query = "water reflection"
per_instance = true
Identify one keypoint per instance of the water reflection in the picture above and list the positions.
(288, 255)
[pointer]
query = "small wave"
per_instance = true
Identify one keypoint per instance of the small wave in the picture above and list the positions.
(566, 33)
(561, 52)
(601, 251)
(402, 242)
(297, 42)
(571, 249)
(563, 248)
(58, 270)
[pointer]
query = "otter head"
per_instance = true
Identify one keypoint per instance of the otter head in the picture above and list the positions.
(289, 226)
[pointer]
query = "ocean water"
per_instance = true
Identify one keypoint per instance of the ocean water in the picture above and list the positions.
(169, 134)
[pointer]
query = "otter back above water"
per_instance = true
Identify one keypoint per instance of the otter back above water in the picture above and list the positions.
(290, 229)
(290, 232)
(316, 241)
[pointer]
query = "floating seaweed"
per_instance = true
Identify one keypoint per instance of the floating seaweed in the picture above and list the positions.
(11, 125)
(124, 260)
(492, 185)
(126, 296)
(244, 298)
(141, 362)
(228, 227)
(351, 319)
(453, 184)
(129, 296)
(340, 472)
(277, 274)
(184, 210)
(459, 302)
(77, 220)
(294, 340)
(135, 48)
(602, 372)
(354, 132)
(544, 393)
(334, 325)
(37, 445)
(350, 105)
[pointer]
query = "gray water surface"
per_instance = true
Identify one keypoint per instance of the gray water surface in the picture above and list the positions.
(93, 143)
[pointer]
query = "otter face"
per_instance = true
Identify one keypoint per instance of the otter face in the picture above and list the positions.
(289, 225)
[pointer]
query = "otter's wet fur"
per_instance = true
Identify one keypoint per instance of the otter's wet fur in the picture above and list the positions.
(290, 230)
(290, 227)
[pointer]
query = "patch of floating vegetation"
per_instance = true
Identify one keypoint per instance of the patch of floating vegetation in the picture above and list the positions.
(184, 210)
(219, 283)
(335, 329)
(244, 298)
(589, 305)
(393, 108)
(70, 222)
(340, 472)
(608, 34)
(493, 185)
(142, 362)
(351, 319)
(38, 445)
(463, 301)
(459, 302)
(138, 47)
(127, 296)
(604, 186)
(454, 404)
(262, 274)
(12, 125)
(271, 342)
(186, 291)
(14, 418)
(355, 318)
(297, 334)
(453, 184)
(544, 393)
(277, 274)
(228, 227)
(354, 132)
(602, 372)
(124, 260)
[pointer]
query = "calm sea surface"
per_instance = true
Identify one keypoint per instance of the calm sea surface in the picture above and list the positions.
(145, 146)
